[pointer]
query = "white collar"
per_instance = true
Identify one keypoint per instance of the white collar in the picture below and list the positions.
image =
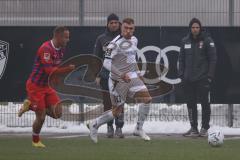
(54, 46)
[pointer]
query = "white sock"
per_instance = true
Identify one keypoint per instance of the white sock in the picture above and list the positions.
(142, 114)
(104, 118)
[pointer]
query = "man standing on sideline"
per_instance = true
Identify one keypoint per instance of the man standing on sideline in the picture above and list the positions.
(42, 99)
(124, 81)
(197, 62)
(112, 30)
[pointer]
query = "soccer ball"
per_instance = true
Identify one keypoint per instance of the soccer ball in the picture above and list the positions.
(215, 138)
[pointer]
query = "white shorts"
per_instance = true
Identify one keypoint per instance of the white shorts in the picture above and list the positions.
(119, 91)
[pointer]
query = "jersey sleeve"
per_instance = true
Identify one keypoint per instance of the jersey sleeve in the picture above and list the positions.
(111, 50)
(134, 41)
(47, 62)
(44, 53)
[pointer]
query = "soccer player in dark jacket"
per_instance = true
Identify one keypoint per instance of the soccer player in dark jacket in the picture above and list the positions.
(102, 41)
(197, 62)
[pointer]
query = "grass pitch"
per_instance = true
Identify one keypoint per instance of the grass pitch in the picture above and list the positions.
(19, 148)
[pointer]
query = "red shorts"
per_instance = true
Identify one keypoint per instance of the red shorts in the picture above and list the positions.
(41, 97)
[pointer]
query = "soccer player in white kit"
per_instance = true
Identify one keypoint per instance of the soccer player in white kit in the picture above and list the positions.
(124, 81)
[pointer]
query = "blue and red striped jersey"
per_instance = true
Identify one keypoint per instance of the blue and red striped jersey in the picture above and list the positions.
(46, 60)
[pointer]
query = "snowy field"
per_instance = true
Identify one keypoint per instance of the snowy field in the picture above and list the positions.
(163, 119)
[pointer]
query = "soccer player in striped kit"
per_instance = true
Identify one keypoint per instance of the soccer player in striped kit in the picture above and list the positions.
(124, 81)
(42, 99)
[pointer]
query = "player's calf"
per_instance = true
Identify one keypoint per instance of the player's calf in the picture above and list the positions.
(56, 110)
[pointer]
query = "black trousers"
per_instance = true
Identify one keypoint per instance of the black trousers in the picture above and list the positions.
(198, 90)
(119, 121)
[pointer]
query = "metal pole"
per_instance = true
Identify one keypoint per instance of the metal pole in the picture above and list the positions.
(231, 12)
(81, 110)
(81, 12)
(230, 115)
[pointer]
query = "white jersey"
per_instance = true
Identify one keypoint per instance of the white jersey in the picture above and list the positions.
(122, 53)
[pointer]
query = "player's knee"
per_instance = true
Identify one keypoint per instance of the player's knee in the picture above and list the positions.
(117, 111)
(143, 97)
(148, 100)
(114, 112)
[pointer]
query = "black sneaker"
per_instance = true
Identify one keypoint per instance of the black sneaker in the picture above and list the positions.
(192, 132)
(203, 132)
(119, 133)
(110, 131)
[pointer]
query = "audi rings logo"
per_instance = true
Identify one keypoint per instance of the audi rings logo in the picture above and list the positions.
(4, 49)
(162, 75)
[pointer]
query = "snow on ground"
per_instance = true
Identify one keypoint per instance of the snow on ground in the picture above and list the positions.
(163, 120)
(150, 127)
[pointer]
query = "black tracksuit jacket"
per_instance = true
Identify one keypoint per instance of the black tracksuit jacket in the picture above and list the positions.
(197, 58)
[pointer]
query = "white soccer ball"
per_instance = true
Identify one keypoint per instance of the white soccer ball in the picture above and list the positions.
(215, 138)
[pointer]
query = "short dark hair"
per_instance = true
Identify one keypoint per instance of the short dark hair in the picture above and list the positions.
(59, 30)
(128, 21)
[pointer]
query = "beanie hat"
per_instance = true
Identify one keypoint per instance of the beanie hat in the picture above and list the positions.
(112, 17)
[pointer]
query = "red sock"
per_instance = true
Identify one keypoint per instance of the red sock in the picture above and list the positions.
(35, 138)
